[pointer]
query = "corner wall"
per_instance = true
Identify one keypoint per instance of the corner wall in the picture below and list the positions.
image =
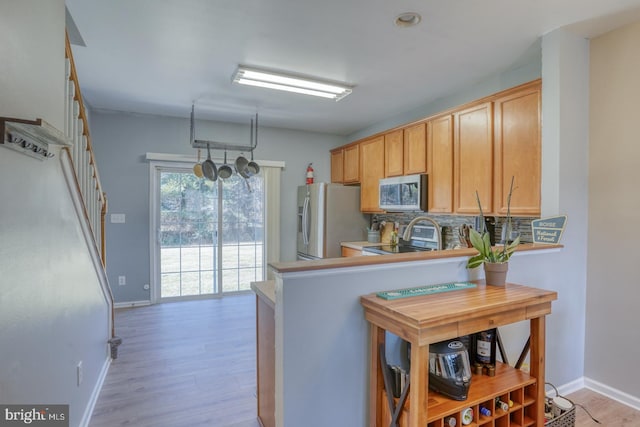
(525, 69)
(613, 290)
(565, 141)
(53, 313)
(32, 67)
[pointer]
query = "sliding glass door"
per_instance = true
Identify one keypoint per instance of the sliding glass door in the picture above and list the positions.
(209, 235)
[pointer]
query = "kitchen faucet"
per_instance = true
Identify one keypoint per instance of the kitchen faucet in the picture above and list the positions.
(407, 231)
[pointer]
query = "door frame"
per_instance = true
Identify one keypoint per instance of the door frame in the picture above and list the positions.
(155, 170)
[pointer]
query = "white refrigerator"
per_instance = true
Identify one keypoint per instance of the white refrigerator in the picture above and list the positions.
(328, 214)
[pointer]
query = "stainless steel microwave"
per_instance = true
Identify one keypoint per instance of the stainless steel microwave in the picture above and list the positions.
(404, 193)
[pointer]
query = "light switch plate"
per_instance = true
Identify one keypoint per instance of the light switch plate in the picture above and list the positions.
(118, 218)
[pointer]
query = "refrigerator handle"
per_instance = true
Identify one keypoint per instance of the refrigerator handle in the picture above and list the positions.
(305, 220)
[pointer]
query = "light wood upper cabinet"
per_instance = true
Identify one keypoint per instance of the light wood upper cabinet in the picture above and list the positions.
(394, 153)
(371, 170)
(337, 165)
(517, 144)
(351, 164)
(473, 158)
(475, 147)
(415, 149)
(440, 149)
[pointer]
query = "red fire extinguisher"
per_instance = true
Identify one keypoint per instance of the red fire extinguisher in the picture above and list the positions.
(309, 174)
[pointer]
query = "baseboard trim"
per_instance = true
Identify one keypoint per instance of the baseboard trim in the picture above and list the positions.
(131, 304)
(572, 386)
(88, 412)
(615, 394)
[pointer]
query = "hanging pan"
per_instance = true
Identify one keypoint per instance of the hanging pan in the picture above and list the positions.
(209, 168)
(197, 168)
(225, 170)
(241, 166)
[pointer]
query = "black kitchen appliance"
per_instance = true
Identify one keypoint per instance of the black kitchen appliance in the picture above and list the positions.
(423, 234)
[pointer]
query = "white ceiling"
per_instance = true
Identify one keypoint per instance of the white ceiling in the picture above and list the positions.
(156, 57)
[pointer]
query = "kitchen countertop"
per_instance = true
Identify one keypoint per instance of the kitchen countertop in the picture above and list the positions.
(265, 290)
(327, 263)
(359, 245)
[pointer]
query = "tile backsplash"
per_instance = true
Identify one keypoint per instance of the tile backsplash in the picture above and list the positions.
(450, 225)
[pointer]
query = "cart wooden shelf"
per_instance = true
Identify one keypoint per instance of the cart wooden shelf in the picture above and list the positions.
(427, 319)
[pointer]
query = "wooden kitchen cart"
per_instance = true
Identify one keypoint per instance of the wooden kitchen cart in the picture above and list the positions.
(423, 320)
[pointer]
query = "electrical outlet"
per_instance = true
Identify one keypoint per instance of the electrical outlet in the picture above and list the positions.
(118, 218)
(79, 373)
(122, 280)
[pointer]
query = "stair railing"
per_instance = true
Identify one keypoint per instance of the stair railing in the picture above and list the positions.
(76, 128)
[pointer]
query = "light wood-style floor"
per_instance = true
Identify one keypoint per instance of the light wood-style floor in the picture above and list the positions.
(193, 364)
(183, 364)
(609, 412)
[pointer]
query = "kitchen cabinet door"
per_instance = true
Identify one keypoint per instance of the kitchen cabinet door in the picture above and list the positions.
(394, 153)
(415, 149)
(337, 165)
(440, 149)
(351, 164)
(349, 252)
(517, 143)
(473, 158)
(371, 170)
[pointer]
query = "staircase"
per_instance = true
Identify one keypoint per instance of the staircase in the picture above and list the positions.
(85, 174)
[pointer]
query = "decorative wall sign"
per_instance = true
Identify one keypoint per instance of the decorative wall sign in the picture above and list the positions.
(548, 230)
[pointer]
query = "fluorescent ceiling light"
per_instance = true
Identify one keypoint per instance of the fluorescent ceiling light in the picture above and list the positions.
(271, 80)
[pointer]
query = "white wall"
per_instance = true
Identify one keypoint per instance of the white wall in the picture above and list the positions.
(120, 143)
(525, 69)
(32, 66)
(613, 289)
(53, 313)
(565, 118)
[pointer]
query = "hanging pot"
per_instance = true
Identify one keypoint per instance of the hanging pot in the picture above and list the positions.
(209, 168)
(252, 167)
(241, 167)
(197, 168)
(225, 170)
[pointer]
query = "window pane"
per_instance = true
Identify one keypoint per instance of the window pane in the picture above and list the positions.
(170, 259)
(208, 279)
(190, 258)
(230, 256)
(190, 284)
(170, 285)
(190, 240)
(229, 280)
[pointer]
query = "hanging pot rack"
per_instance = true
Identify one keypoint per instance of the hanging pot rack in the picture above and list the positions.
(214, 145)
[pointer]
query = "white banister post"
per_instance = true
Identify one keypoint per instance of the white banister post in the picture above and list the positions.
(81, 160)
(67, 83)
(76, 126)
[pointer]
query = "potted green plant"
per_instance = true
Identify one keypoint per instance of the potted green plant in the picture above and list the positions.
(495, 260)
